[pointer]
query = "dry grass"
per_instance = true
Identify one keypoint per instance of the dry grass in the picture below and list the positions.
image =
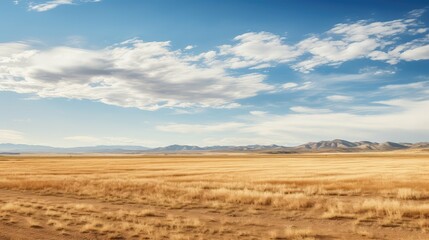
(218, 196)
(59, 226)
(410, 194)
(363, 232)
(293, 234)
(17, 208)
(34, 223)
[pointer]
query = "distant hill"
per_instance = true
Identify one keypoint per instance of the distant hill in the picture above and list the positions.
(23, 148)
(188, 148)
(343, 145)
(336, 145)
(176, 148)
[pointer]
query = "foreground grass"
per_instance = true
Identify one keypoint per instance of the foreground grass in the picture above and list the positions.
(219, 196)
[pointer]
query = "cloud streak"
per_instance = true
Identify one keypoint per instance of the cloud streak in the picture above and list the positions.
(11, 136)
(49, 5)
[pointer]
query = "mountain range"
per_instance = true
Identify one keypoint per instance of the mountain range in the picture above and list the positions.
(336, 145)
(24, 148)
(342, 145)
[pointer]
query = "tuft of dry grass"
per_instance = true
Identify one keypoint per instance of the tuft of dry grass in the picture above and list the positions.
(34, 223)
(337, 210)
(410, 194)
(291, 233)
(363, 232)
(57, 225)
(17, 208)
(314, 190)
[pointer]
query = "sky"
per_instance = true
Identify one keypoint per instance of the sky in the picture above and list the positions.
(213, 72)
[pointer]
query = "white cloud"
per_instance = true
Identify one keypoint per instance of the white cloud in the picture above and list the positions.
(344, 42)
(414, 90)
(13, 52)
(333, 52)
(10, 136)
(258, 113)
(145, 75)
(369, 108)
(417, 13)
(417, 53)
(304, 86)
(318, 81)
(189, 47)
(307, 110)
(413, 86)
(295, 86)
(414, 50)
(339, 98)
(289, 85)
(256, 49)
(49, 5)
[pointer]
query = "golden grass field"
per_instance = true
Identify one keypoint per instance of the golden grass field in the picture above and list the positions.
(216, 196)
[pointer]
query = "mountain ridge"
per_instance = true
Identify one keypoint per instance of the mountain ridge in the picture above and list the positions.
(336, 145)
(25, 148)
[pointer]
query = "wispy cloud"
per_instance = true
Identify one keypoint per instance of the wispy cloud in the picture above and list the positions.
(308, 110)
(413, 90)
(406, 86)
(49, 5)
(258, 113)
(10, 136)
(363, 75)
(46, 6)
(339, 98)
(297, 86)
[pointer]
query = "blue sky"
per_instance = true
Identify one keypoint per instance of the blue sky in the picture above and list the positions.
(154, 73)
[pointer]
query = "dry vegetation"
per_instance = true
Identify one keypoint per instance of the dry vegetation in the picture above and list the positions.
(305, 196)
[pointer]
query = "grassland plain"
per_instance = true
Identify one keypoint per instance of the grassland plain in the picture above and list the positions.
(381, 195)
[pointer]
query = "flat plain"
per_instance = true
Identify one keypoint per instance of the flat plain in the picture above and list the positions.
(383, 195)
